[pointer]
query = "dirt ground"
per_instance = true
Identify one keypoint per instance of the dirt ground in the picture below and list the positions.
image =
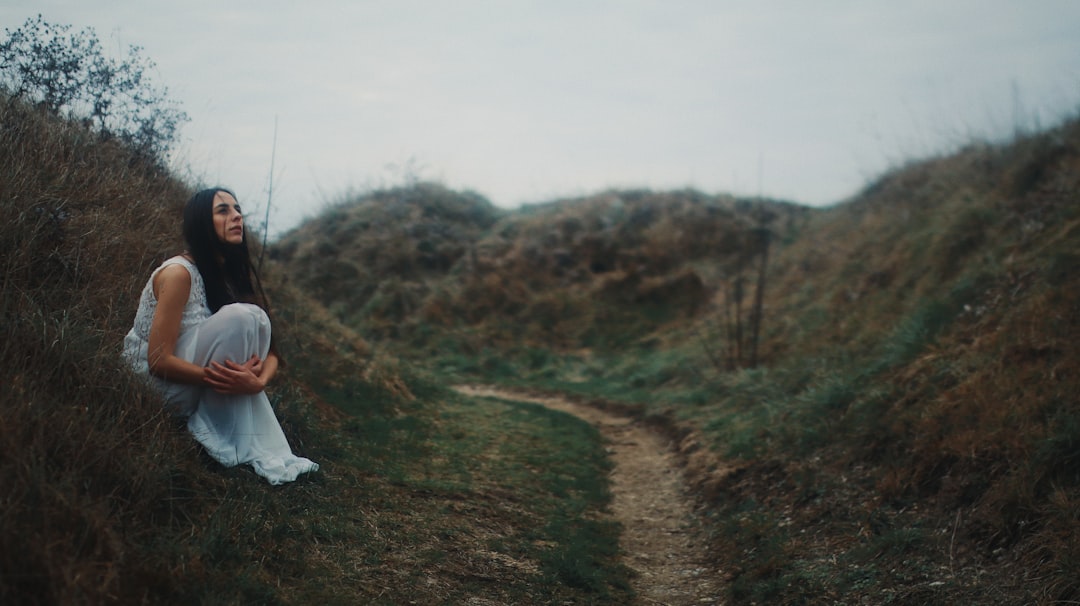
(650, 501)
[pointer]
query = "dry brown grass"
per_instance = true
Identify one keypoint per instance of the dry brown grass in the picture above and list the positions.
(107, 499)
(924, 379)
(79, 226)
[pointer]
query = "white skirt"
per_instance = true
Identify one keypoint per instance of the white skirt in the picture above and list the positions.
(234, 429)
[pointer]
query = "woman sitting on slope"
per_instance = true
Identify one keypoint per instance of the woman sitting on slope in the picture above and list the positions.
(203, 337)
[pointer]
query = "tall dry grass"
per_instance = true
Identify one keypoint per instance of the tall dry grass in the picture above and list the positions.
(85, 460)
(106, 498)
(917, 424)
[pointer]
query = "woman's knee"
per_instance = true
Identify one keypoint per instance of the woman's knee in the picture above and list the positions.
(239, 313)
(241, 320)
(234, 332)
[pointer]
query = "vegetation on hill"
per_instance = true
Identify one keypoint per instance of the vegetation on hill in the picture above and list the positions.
(602, 272)
(375, 261)
(875, 402)
(423, 497)
(910, 431)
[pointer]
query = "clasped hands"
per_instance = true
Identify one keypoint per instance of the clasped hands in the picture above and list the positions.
(233, 378)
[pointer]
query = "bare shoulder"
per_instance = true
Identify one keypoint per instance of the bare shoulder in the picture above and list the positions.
(173, 280)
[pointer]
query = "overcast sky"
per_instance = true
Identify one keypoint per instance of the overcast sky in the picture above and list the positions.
(525, 101)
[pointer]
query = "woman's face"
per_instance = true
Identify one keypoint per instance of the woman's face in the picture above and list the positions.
(228, 222)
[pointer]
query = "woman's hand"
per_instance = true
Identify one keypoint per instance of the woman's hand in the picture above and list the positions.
(233, 378)
(255, 364)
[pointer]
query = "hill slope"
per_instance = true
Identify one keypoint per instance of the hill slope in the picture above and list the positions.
(423, 496)
(599, 271)
(911, 429)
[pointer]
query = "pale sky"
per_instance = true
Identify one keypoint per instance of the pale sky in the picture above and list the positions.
(527, 101)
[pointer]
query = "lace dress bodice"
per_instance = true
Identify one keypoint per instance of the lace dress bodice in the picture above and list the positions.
(137, 341)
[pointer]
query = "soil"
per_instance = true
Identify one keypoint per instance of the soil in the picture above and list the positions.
(649, 499)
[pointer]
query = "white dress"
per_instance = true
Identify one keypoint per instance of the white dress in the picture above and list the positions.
(234, 429)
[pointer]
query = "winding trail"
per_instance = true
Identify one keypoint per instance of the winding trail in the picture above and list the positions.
(651, 503)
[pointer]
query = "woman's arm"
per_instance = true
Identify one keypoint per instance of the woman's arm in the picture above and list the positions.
(172, 285)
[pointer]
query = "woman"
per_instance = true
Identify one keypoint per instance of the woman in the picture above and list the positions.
(202, 337)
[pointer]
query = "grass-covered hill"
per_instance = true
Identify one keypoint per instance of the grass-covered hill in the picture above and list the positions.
(375, 260)
(416, 264)
(423, 496)
(903, 428)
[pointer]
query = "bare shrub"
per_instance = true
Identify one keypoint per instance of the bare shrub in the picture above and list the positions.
(68, 74)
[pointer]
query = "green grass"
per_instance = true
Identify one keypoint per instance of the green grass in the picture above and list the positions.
(460, 498)
(474, 497)
(554, 465)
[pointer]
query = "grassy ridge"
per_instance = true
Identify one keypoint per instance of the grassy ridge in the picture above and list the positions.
(413, 275)
(911, 434)
(108, 500)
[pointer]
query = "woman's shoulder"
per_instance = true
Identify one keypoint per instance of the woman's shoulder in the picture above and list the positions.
(175, 270)
(172, 273)
(171, 265)
(178, 265)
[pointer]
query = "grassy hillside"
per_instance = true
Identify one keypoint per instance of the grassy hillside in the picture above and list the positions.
(423, 497)
(600, 272)
(916, 419)
(910, 432)
(904, 430)
(375, 261)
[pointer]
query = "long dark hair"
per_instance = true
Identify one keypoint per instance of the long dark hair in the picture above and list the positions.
(226, 268)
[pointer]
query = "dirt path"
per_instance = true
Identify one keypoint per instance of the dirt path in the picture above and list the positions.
(651, 504)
